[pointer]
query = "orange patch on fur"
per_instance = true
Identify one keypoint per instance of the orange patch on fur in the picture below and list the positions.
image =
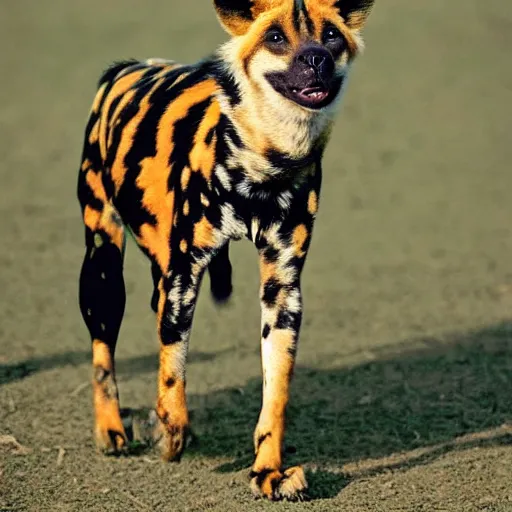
(156, 238)
(95, 182)
(203, 233)
(312, 203)
(125, 100)
(91, 218)
(300, 235)
(185, 177)
(154, 174)
(118, 171)
(202, 155)
(172, 400)
(267, 271)
(97, 99)
(86, 165)
(276, 395)
(101, 355)
(119, 88)
(107, 219)
(94, 133)
(106, 404)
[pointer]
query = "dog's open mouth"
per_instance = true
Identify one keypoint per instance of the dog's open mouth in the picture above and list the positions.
(313, 95)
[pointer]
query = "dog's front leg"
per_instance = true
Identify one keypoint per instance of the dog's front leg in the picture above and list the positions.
(177, 299)
(281, 259)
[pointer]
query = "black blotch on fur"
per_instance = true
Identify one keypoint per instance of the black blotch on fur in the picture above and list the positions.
(298, 9)
(262, 438)
(220, 271)
(209, 136)
(260, 475)
(266, 331)
(292, 350)
(101, 303)
(217, 70)
(270, 291)
(309, 22)
(170, 382)
(177, 316)
(270, 254)
(282, 161)
(114, 69)
(241, 8)
(288, 320)
(86, 195)
(156, 275)
(348, 7)
(296, 15)
(184, 132)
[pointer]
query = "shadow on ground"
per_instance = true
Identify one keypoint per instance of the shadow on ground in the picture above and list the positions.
(412, 403)
(135, 365)
(428, 397)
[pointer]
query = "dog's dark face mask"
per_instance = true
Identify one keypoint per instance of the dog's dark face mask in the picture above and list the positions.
(311, 79)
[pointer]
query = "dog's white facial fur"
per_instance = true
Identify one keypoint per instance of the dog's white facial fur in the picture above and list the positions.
(265, 117)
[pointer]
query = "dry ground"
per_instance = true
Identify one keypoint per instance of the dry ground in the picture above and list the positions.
(404, 383)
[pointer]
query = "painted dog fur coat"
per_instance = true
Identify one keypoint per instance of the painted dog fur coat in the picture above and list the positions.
(190, 157)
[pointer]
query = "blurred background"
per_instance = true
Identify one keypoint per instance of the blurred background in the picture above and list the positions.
(403, 387)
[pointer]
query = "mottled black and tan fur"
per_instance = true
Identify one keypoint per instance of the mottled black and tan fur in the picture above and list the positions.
(188, 158)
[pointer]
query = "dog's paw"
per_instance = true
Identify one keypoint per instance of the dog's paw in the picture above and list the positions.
(171, 440)
(109, 430)
(110, 436)
(276, 485)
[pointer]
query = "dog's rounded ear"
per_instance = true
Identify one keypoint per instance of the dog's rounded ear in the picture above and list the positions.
(354, 12)
(236, 16)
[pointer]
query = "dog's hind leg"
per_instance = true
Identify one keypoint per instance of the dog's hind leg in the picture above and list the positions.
(102, 302)
(220, 275)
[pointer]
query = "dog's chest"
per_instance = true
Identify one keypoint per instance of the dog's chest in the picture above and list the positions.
(183, 168)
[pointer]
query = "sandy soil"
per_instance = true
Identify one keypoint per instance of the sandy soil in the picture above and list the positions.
(404, 383)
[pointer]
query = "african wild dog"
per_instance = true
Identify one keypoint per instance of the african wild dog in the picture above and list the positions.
(188, 158)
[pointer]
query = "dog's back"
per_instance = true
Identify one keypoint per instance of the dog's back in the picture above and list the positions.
(149, 130)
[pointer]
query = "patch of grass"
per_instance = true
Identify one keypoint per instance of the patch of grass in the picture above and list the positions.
(403, 402)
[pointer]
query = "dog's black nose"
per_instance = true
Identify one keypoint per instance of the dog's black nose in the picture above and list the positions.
(314, 57)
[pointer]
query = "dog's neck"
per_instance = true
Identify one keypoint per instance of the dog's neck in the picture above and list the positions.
(283, 128)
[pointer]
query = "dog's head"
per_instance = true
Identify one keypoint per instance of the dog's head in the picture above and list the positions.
(299, 50)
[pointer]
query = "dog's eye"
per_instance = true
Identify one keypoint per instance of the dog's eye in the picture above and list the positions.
(331, 35)
(275, 36)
